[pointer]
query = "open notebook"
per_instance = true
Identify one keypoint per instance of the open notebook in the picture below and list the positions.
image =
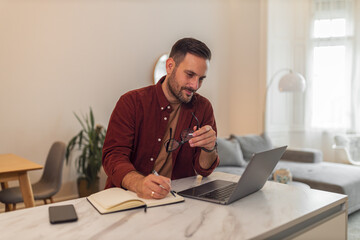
(117, 199)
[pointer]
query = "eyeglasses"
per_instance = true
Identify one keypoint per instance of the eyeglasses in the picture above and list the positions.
(172, 144)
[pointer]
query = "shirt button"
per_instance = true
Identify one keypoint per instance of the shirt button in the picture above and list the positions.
(165, 118)
(162, 108)
(151, 159)
(159, 139)
(168, 107)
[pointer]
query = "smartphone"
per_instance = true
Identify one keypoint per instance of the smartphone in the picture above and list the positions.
(62, 214)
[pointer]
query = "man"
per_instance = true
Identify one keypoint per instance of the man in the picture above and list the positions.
(166, 128)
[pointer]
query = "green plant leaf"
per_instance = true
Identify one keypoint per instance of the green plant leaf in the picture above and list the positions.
(81, 134)
(81, 122)
(90, 141)
(92, 119)
(70, 147)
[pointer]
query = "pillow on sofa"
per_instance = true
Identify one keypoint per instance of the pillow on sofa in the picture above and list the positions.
(230, 153)
(351, 142)
(251, 144)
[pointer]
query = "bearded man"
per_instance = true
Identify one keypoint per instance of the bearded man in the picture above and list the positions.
(165, 128)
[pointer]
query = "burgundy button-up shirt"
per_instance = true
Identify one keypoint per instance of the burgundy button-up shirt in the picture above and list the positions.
(136, 128)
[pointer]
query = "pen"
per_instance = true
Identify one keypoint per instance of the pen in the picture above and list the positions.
(156, 174)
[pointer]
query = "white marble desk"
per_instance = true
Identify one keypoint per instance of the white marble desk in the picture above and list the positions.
(277, 211)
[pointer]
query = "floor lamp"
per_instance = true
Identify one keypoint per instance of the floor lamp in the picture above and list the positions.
(290, 81)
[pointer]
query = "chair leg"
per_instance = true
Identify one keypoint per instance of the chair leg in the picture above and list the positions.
(8, 207)
(4, 185)
(51, 200)
(14, 206)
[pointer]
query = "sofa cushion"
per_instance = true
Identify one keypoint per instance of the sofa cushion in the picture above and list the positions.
(230, 153)
(251, 144)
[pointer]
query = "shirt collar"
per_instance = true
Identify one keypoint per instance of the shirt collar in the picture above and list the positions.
(163, 102)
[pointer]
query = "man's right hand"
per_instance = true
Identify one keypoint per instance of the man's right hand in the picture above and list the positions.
(151, 186)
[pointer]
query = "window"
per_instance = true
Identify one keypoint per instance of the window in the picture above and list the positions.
(331, 68)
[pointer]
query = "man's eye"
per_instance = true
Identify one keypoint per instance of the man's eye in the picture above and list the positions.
(190, 75)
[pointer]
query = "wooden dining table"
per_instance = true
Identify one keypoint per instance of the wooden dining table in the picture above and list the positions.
(15, 168)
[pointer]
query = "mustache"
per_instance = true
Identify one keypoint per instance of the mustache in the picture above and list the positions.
(189, 89)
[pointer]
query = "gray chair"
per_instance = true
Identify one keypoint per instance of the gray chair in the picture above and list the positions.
(49, 183)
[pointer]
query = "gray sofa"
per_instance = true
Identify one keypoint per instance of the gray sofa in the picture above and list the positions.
(306, 166)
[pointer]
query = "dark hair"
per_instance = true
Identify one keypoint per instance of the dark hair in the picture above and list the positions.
(189, 45)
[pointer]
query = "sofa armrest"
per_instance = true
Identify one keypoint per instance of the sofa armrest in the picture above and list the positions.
(305, 155)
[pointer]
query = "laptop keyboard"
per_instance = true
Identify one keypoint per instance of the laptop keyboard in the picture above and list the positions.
(220, 193)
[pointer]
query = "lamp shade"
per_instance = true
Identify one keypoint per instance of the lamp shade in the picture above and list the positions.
(292, 82)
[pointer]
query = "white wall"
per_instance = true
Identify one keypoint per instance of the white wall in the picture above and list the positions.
(248, 66)
(288, 35)
(62, 56)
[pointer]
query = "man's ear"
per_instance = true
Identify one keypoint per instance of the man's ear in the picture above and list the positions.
(170, 65)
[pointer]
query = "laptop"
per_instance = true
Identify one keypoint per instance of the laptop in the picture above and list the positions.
(252, 180)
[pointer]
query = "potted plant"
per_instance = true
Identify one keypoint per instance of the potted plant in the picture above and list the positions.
(90, 141)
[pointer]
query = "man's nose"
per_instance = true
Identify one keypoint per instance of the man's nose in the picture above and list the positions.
(194, 83)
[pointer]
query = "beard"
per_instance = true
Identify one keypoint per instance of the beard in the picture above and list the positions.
(177, 91)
